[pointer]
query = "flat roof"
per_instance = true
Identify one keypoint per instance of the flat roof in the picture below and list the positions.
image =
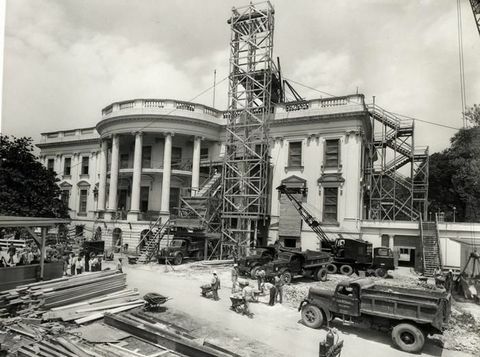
(19, 221)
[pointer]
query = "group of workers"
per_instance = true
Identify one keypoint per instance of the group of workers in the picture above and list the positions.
(75, 265)
(15, 256)
(242, 289)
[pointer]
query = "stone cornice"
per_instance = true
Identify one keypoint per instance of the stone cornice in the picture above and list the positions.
(67, 143)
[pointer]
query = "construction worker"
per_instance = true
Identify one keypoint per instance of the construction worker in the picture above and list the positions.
(278, 281)
(79, 265)
(247, 294)
(270, 288)
(260, 275)
(215, 286)
(119, 265)
(234, 277)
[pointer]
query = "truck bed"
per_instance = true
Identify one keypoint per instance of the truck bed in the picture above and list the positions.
(403, 303)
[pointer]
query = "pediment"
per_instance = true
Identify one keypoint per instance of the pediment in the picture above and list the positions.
(294, 181)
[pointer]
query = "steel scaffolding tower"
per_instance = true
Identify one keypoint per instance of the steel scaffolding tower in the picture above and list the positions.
(397, 169)
(251, 98)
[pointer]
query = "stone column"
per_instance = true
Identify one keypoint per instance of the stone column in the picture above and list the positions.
(137, 176)
(75, 178)
(390, 241)
(112, 193)
(102, 185)
(167, 171)
(197, 144)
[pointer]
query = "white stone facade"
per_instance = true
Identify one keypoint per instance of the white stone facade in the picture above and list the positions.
(144, 153)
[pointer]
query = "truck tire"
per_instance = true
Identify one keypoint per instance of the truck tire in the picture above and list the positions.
(346, 270)
(332, 269)
(408, 338)
(287, 277)
(380, 273)
(321, 274)
(199, 255)
(178, 259)
(312, 316)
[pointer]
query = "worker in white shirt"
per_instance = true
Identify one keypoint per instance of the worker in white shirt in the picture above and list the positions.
(79, 265)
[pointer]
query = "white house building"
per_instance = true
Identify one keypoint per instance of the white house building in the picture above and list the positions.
(144, 154)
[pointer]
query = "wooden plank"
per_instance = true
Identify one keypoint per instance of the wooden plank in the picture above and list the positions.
(99, 315)
(111, 306)
(175, 343)
(126, 351)
(71, 347)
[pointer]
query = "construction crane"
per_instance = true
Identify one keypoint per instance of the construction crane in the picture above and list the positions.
(348, 255)
(476, 12)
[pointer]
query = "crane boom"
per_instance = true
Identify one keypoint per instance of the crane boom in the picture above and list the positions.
(476, 12)
(327, 244)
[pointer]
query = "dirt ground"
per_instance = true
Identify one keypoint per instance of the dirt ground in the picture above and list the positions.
(277, 330)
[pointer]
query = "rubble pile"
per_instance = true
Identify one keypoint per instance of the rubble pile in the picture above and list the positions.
(462, 333)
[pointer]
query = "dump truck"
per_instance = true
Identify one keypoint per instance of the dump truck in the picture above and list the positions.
(348, 255)
(258, 256)
(181, 248)
(290, 264)
(410, 314)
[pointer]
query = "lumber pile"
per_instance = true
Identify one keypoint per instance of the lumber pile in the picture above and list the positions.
(35, 298)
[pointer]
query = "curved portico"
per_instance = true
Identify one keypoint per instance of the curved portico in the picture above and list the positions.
(152, 148)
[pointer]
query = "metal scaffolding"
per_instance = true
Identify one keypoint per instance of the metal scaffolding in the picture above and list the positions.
(397, 170)
(254, 87)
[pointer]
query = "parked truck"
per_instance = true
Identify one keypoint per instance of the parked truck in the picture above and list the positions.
(258, 257)
(348, 255)
(290, 264)
(410, 314)
(180, 248)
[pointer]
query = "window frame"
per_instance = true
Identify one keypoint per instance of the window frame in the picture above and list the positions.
(174, 158)
(124, 163)
(298, 156)
(52, 169)
(147, 160)
(326, 159)
(81, 202)
(87, 166)
(325, 213)
(69, 166)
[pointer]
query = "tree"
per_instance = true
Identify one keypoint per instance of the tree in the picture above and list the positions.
(472, 114)
(27, 188)
(454, 176)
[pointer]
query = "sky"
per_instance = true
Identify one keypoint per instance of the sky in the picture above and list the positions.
(64, 60)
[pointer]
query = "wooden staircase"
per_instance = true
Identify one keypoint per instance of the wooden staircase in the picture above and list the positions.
(431, 247)
(150, 242)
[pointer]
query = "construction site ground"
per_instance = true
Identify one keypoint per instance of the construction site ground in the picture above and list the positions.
(277, 330)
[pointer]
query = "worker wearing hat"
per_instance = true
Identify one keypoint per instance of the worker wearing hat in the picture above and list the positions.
(234, 277)
(215, 286)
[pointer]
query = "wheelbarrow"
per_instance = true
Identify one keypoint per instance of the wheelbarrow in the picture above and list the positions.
(206, 290)
(239, 306)
(153, 301)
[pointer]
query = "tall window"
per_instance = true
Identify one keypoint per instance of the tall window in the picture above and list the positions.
(85, 163)
(51, 164)
(332, 150)
(147, 157)
(295, 153)
(204, 154)
(124, 161)
(82, 209)
(330, 204)
(67, 166)
(64, 196)
(176, 155)
(144, 191)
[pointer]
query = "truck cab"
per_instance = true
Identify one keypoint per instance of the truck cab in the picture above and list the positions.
(180, 248)
(258, 256)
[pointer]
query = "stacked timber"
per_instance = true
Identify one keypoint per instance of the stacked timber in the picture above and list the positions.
(41, 296)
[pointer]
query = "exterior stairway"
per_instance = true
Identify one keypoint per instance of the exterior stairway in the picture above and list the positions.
(201, 212)
(150, 242)
(431, 247)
